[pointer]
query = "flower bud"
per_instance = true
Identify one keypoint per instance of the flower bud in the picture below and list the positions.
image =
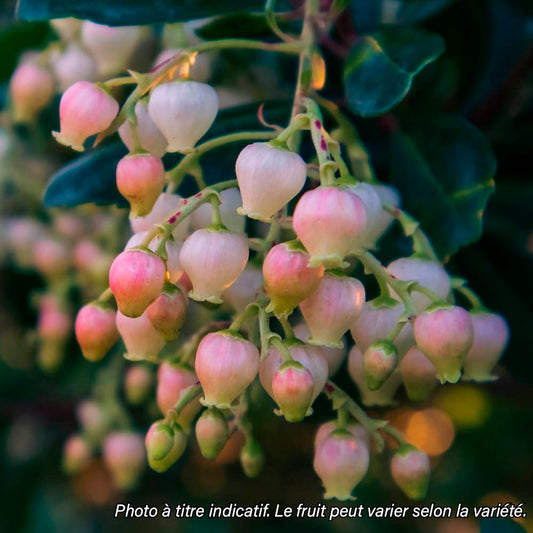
(410, 470)
(445, 333)
(85, 110)
(226, 364)
(269, 178)
(491, 335)
(212, 432)
(76, 454)
(332, 308)
(288, 279)
(231, 199)
(292, 390)
(245, 289)
(150, 138)
(92, 419)
(66, 28)
(140, 179)
(22, 234)
(172, 380)
(333, 356)
(330, 222)
(136, 279)
(111, 46)
(52, 258)
(123, 454)
(379, 362)
(138, 383)
(167, 312)
(426, 272)
(382, 397)
(419, 375)
(357, 430)
(166, 206)
(213, 260)
(74, 65)
(54, 322)
(183, 111)
(143, 342)
(309, 358)
(341, 461)
(252, 459)
(69, 225)
(165, 444)
(96, 330)
(377, 320)
(31, 89)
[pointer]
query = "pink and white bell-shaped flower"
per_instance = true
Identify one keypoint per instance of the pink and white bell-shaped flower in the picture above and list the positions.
(226, 364)
(76, 454)
(150, 138)
(491, 334)
(85, 109)
(288, 278)
(96, 330)
(167, 312)
(52, 257)
(410, 469)
(31, 89)
(330, 222)
(212, 432)
(245, 289)
(357, 430)
(269, 178)
(138, 383)
(428, 273)
(445, 334)
(379, 362)
(419, 375)
(74, 65)
(136, 279)
(143, 342)
(213, 260)
(123, 453)
(183, 111)
(140, 179)
(230, 200)
(332, 308)
(341, 461)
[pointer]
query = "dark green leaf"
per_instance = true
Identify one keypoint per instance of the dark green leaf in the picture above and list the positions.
(413, 11)
(380, 68)
(444, 168)
(90, 178)
(128, 12)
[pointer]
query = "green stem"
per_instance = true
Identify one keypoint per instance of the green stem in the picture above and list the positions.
(250, 311)
(471, 296)
(186, 397)
(216, 219)
(395, 434)
(287, 328)
(282, 349)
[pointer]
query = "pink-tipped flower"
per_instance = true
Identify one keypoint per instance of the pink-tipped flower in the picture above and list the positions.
(269, 178)
(292, 390)
(150, 138)
(111, 46)
(245, 289)
(491, 334)
(379, 362)
(308, 356)
(165, 207)
(96, 330)
(52, 258)
(213, 260)
(410, 470)
(288, 278)
(377, 320)
(73, 65)
(445, 333)
(172, 380)
(76, 454)
(123, 453)
(252, 459)
(138, 383)
(428, 273)
(341, 461)
(167, 313)
(333, 308)
(140, 179)
(183, 111)
(165, 444)
(31, 89)
(333, 356)
(419, 375)
(212, 432)
(226, 364)
(21, 235)
(382, 397)
(136, 279)
(143, 342)
(85, 110)
(93, 419)
(54, 321)
(331, 223)
(326, 429)
(231, 199)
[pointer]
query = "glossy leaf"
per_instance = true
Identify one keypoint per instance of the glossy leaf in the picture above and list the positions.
(127, 12)
(443, 167)
(380, 68)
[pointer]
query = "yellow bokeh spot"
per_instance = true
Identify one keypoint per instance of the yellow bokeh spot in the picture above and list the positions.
(467, 405)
